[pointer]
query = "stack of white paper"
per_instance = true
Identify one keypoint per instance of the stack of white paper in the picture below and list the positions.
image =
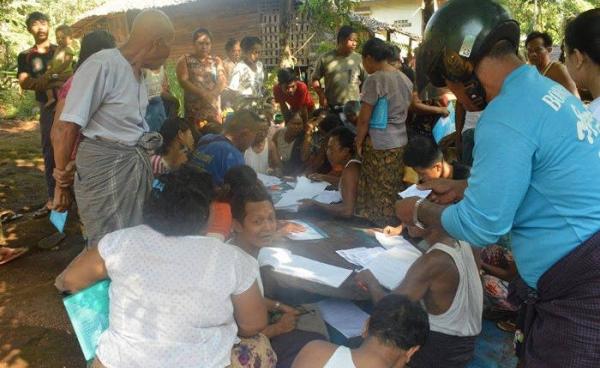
(268, 180)
(390, 267)
(360, 256)
(309, 233)
(391, 241)
(283, 261)
(304, 189)
(413, 191)
(344, 316)
(329, 196)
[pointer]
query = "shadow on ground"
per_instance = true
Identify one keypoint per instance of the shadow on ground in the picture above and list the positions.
(34, 328)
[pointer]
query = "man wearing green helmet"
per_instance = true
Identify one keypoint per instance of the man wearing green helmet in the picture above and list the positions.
(535, 174)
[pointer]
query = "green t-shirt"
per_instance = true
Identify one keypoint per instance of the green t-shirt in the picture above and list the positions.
(343, 76)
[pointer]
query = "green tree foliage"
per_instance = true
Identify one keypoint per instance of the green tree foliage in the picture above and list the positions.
(547, 15)
(14, 38)
(13, 32)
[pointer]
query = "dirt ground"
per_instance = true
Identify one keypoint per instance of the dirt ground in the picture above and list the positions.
(34, 328)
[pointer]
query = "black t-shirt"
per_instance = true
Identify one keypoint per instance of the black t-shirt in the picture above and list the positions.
(460, 171)
(35, 64)
(407, 70)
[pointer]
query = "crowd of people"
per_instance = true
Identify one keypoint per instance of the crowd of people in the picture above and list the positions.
(174, 214)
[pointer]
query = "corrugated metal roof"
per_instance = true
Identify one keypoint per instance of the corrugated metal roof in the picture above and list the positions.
(118, 6)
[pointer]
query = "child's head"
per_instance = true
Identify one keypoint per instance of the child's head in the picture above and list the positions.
(351, 110)
(254, 219)
(399, 323)
(64, 35)
(251, 47)
(425, 157)
(176, 134)
(93, 42)
(340, 146)
(179, 203)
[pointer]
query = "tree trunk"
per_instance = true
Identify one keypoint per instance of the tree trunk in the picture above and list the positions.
(286, 12)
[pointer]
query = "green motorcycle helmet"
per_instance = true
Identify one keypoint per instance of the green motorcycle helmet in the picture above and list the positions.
(457, 37)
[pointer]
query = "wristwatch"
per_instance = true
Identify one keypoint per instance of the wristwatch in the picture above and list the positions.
(416, 221)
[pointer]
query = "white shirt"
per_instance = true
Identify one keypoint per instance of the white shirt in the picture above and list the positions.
(258, 161)
(170, 299)
(463, 318)
(246, 81)
(471, 119)
(106, 99)
(341, 358)
(594, 107)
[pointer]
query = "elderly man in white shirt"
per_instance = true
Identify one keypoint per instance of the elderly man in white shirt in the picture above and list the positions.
(107, 104)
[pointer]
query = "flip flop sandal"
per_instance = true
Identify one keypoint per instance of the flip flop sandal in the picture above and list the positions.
(8, 216)
(507, 326)
(14, 254)
(42, 212)
(51, 241)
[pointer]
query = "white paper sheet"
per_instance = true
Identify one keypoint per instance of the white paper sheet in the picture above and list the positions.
(283, 261)
(390, 267)
(305, 189)
(268, 180)
(329, 196)
(344, 316)
(413, 191)
(360, 256)
(391, 241)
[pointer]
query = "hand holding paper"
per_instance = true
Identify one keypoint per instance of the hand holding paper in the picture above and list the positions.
(413, 191)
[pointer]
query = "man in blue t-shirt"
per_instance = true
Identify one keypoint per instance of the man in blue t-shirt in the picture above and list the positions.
(535, 175)
(217, 153)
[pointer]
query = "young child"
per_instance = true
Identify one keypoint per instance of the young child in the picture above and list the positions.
(177, 142)
(62, 62)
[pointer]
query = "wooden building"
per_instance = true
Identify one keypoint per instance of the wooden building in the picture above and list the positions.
(224, 18)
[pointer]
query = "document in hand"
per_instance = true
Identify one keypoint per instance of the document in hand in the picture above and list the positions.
(283, 261)
(304, 189)
(390, 267)
(310, 232)
(413, 191)
(88, 312)
(388, 242)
